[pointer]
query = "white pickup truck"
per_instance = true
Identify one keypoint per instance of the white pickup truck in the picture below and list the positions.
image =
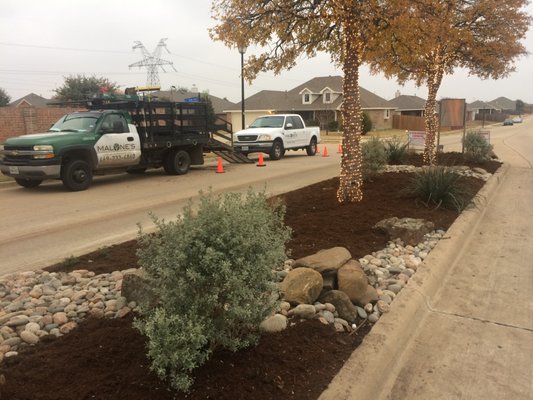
(273, 134)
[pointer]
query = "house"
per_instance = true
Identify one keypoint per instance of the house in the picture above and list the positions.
(504, 105)
(409, 105)
(318, 100)
(30, 100)
(479, 109)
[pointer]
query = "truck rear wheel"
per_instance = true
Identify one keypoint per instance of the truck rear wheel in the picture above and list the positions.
(277, 151)
(76, 175)
(28, 183)
(178, 162)
(311, 149)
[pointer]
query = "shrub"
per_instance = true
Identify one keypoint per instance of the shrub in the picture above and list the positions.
(212, 271)
(333, 126)
(476, 147)
(396, 151)
(367, 123)
(374, 157)
(312, 122)
(439, 186)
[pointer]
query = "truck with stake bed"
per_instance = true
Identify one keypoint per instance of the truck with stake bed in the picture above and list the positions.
(118, 133)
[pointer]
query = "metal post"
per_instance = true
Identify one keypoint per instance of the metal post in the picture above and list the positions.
(242, 50)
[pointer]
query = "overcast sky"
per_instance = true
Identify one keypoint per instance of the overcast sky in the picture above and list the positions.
(43, 41)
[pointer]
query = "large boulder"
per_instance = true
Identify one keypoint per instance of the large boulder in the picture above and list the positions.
(301, 286)
(136, 287)
(369, 296)
(325, 260)
(342, 303)
(409, 230)
(352, 280)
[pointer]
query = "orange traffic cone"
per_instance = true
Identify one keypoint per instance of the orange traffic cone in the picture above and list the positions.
(261, 163)
(339, 149)
(325, 152)
(220, 168)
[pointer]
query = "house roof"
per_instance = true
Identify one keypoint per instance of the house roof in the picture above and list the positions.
(408, 103)
(273, 100)
(219, 105)
(32, 99)
(503, 103)
(480, 105)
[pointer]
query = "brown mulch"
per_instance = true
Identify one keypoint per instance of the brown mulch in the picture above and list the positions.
(105, 359)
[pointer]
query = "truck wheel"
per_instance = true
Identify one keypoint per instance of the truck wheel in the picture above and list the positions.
(311, 149)
(178, 162)
(277, 151)
(76, 175)
(28, 183)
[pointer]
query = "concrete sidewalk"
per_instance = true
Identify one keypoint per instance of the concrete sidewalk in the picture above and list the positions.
(463, 326)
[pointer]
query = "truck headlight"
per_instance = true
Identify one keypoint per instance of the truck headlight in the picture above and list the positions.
(264, 137)
(43, 151)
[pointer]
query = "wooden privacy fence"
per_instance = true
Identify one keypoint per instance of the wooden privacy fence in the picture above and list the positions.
(408, 123)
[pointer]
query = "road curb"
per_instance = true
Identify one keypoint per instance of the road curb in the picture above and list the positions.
(366, 373)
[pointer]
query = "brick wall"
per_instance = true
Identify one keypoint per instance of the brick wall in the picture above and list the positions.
(15, 121)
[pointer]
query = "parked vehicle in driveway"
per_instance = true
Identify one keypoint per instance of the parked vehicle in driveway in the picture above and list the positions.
(517, 120)
(508, 121)
(274, 134)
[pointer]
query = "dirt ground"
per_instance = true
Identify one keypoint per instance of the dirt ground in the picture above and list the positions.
(104, 359)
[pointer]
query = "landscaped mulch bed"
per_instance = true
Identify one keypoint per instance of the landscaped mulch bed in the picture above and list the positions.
(105, 359)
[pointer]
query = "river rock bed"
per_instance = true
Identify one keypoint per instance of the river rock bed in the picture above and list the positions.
(40, 305)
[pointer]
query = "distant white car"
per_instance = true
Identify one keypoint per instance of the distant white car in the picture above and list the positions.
(517, 120)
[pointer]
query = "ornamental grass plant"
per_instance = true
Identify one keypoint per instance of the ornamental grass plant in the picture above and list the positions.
(439, 186)
(396, 151)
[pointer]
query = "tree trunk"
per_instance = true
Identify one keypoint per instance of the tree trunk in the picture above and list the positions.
(432, 121)
(351, 176)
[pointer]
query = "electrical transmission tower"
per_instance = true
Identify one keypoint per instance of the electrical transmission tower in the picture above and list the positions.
(152, 61)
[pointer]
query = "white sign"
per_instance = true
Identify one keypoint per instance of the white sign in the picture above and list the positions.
(416, 138)
(485, 134)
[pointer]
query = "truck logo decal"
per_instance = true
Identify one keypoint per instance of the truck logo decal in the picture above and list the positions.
(116, 147)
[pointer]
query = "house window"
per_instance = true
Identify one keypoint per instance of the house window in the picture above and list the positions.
(327, 97)
(387, 114)
(307, 98)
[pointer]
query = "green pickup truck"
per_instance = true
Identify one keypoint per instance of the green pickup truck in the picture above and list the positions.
(111, 137)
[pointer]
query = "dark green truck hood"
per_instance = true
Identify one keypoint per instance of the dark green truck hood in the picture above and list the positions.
(56, 139)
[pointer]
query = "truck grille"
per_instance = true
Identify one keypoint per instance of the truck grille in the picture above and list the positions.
(17, 153)
(247, 138)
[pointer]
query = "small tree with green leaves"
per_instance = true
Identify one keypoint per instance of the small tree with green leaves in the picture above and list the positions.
(4, 98)
(212, 271)
(367, 123)
(81, 87)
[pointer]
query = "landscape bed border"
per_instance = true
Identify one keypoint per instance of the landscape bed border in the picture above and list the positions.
(373, 361)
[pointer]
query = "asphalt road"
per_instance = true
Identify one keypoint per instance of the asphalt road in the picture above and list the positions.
(45, 225)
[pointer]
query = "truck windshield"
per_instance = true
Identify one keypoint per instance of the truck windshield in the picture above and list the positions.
(76, 123)
(268, 122)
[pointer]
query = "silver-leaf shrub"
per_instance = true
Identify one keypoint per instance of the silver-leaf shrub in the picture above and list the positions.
(212, 271)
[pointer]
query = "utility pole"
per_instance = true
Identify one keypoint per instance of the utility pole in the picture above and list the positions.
(152, 61)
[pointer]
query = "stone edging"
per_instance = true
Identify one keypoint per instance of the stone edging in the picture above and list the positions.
(366, 372)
